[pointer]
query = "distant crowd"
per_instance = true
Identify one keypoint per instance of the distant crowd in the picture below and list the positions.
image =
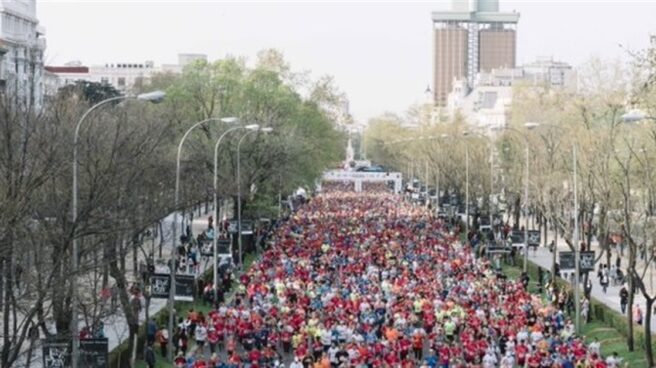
(370, 280)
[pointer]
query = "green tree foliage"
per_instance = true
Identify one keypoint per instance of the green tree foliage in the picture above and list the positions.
(92, 92)
(303, 143)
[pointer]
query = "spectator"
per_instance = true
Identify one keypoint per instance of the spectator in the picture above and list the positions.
(149, 356)
(151, 331)
(624, 298)
(637, 314)
(162, 337)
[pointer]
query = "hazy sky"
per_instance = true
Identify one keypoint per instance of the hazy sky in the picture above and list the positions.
(378, 52)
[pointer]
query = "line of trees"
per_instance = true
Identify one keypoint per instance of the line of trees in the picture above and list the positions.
(615, 162)
(127, 164)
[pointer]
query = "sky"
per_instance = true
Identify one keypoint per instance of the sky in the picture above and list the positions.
(378, 52)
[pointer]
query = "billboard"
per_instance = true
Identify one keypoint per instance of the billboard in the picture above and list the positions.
(534, 237)
(94, 353)
(566, 260)
(246, 227)
(56, 353)
(160, 286)
(222, 248)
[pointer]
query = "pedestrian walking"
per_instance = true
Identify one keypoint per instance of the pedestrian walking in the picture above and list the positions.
(587, 290)
(604, 282)
(163, 339)
(524, 278)
(624, 299)
(149, 356)
(637, 314)
(585, 309)
(151, 331)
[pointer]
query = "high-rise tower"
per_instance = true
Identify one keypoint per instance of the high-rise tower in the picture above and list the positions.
(472, 37)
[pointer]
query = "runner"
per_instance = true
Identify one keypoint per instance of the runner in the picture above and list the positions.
(368, 279)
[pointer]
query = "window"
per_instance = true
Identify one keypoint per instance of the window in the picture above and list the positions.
(104, 80)
(121, 81)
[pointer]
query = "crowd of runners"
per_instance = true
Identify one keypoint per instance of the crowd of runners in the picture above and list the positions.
(369, 280)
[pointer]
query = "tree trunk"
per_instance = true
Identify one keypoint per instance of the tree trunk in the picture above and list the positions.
(649, 356)
(2, 280)
(545, 230)
(589, 226)
(629, 310)
(134, 329)
(131, 316)
(161, 238)
(146, 312)
(6, 344)
(30, 349)
(516, 213)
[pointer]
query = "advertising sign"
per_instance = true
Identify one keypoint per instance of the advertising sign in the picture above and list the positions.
(94, 353)
(160, 286)
(586, 264)
(56, 353)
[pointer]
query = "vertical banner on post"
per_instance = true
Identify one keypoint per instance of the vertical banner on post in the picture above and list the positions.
(94, 353)
(56, 352)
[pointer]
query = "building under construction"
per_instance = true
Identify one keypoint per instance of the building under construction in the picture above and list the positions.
(472, 37)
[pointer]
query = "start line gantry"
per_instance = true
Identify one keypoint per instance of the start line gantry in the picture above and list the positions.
(359, 177)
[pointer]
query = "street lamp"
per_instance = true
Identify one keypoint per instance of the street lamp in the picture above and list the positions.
(155, 96)
(175, 222)
(577, 250)
(528, 126)
(635, 116)
(215, 269)
(467, 134)
(252, 128)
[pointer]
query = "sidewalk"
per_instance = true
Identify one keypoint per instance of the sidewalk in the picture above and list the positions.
(116, 328)
(543, 258)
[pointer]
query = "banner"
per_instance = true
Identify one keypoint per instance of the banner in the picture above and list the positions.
(534, 237)
(56, 353)
(94, 353)
(222, 248)
(495, 249)
(184, 287)
(566, 261)
(160, 286)
(246, 227)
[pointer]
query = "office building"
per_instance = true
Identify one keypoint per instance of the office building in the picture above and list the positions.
(474, 36)
(124, 76)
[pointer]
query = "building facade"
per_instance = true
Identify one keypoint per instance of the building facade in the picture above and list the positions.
(474, 36)
(486, 105)
(22, 44)
(124, 76)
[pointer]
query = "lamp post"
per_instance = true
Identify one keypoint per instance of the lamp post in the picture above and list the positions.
(252, 128)
(635, 116)
(467, 134)
(172, 266)
(466, 190)
(528, 125)
(577, 251)
(155, 96)
(215, 267)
